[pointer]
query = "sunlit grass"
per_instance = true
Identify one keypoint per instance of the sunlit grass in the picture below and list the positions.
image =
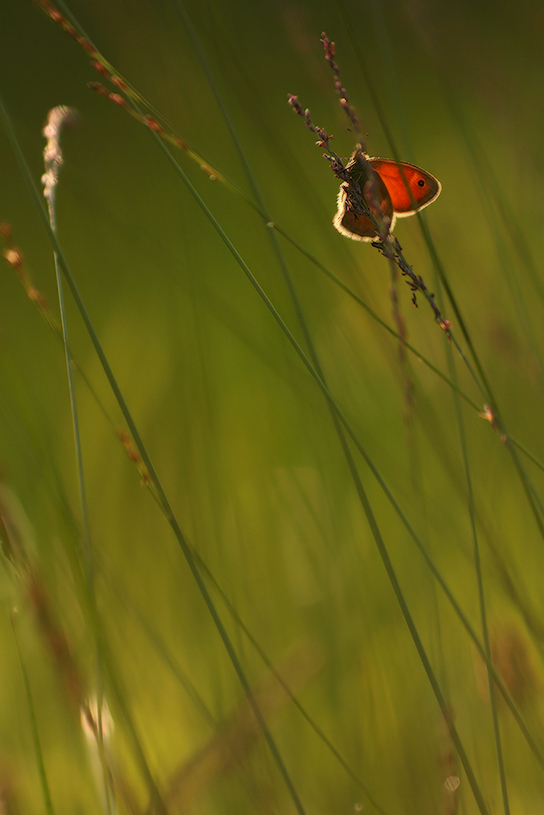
(248, 408)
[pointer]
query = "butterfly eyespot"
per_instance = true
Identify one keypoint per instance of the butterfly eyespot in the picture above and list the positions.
(421, 182)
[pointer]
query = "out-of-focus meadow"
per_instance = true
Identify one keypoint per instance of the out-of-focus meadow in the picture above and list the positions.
(369, 572)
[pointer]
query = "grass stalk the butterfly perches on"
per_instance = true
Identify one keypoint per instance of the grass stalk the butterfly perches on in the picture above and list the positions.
(364, 199)
(365, 196)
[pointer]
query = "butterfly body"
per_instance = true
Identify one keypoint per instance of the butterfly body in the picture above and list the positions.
(390, 189)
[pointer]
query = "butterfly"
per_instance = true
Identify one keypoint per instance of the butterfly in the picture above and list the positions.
(396, 190)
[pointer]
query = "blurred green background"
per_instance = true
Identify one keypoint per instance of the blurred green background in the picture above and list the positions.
(239, 432)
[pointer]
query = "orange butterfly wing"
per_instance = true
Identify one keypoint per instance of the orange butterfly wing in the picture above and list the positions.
(410, 188)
